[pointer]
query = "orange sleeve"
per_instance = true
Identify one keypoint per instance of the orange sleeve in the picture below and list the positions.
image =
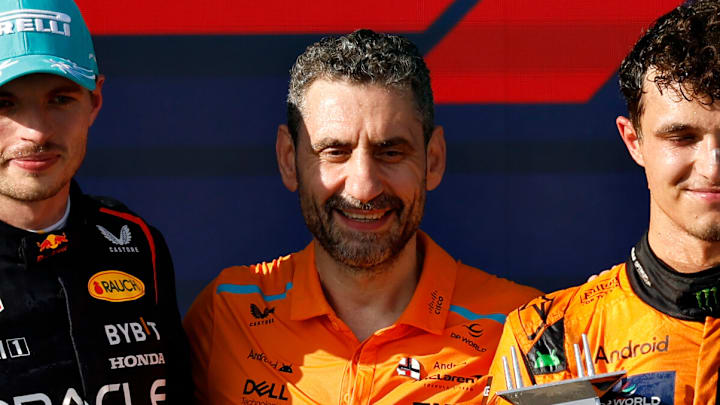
(497, 372)
(199, 326)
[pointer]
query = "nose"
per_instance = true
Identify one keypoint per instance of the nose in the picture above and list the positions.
(33, 125)
(707, 163)
(362, 177)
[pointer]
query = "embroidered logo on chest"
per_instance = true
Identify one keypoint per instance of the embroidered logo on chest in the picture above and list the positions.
(121, 242)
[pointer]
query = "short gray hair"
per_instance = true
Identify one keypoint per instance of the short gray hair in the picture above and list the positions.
(362, 57)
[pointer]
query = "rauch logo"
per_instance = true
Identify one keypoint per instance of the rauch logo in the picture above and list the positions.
(115, 286)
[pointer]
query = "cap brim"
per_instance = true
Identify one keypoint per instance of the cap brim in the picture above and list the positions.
(12, 68)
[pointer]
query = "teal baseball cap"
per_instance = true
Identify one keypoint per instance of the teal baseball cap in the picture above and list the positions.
(45, 36)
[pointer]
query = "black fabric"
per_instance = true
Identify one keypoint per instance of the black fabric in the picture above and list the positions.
(60, 343)
(547, 355)
(685, 296)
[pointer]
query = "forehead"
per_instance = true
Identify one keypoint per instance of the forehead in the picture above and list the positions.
(39, 82)
(340, 107)
(669, 105)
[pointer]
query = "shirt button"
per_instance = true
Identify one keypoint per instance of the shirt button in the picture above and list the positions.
(346, 398)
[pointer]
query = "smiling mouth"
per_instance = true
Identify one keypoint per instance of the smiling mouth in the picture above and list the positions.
(364, 216)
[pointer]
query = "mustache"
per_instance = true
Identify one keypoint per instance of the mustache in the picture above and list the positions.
(381, 202)
(24, 151)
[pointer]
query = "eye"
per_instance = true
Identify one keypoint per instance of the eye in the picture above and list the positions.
(334, 154)
(683, 139)
(61, 99)
(6, 103)
(391, 154)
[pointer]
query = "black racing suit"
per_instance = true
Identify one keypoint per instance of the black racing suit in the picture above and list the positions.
(88, 312)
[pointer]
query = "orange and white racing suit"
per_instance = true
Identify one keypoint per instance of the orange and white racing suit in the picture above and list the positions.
(643, 317)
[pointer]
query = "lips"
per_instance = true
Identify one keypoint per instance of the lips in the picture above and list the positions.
(364, 216)
(709, 194)
(35, 163)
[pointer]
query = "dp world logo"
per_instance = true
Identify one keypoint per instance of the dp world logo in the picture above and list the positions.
(707, 299)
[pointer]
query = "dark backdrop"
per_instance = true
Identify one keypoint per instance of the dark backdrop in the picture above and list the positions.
(538, 189)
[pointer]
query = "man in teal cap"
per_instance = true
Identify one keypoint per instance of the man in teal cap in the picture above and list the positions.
(88, 312)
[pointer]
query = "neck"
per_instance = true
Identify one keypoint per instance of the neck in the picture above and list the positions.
(682, 251)
(368, 300)
(34, 214)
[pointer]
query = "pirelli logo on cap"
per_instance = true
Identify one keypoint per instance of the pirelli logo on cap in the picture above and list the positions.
(44, 21)
(115, 286)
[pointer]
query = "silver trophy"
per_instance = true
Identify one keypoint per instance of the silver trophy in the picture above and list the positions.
(583, 390)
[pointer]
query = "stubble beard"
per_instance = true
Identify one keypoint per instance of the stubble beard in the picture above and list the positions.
(30, 186)
(362, 252)
(707, 233)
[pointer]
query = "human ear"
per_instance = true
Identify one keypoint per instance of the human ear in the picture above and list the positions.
(285, 153)
(631, 138)
(435, 158)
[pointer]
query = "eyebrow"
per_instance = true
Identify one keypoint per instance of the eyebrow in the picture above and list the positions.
(395, 141)
(335, 143)
(674, 128)
(67, 89)
(328, 143)
(60, 89)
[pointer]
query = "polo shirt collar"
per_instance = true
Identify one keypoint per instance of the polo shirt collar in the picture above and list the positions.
(428, 308)
(307, 299)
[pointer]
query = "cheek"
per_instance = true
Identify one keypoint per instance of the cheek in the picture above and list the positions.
(405, 177)
(669, 166)
(321, 180)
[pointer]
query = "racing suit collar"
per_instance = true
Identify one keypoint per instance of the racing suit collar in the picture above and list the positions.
(685, 296)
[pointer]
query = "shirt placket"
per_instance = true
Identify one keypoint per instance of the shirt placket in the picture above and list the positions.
(358, 383)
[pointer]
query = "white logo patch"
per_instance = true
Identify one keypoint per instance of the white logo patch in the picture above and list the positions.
(409, 367)
(71, 68)
(124, 239)
(29, 20)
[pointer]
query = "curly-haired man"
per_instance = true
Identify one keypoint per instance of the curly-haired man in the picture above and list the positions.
(655, 316)
(372, 311)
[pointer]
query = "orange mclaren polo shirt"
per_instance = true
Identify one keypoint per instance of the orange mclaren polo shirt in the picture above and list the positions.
(265, 334)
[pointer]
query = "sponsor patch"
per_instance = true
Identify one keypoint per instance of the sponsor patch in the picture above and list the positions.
(436, 303)
(707, 299)
(121, 242)
(536, 314)
(12, 348)
(643, 389)
(262, 315)
(30, 20)
(547, 355)
(131, 332)
(52, 241)
(598, 291)
(474, 330)
(52, 244)
(115, 286)
(137, 360)
(466, 340)
(409, 367)
(263, 358)
(263, 389)
(633, 349)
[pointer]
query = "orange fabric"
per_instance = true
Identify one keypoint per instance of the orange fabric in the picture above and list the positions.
(663, 356)
(265, 334)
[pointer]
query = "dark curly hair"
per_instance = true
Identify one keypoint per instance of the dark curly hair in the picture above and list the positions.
(682, 49)
(362, 57)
